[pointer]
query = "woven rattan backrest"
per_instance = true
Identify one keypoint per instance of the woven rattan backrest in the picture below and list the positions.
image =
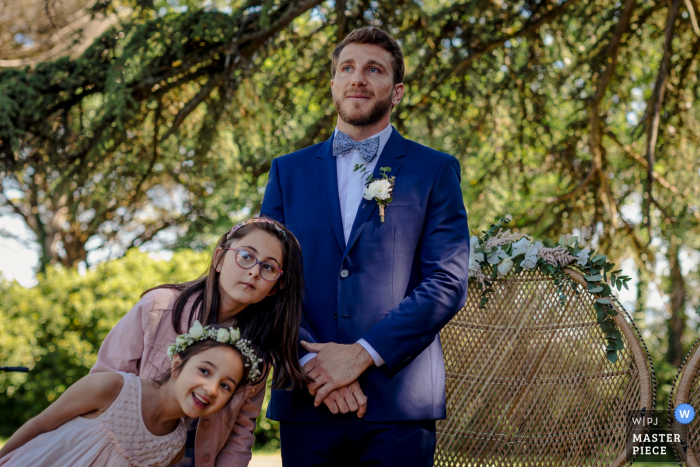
(686, 390)
(529, 384)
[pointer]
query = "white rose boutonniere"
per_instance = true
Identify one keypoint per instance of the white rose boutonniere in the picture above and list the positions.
(378, 189)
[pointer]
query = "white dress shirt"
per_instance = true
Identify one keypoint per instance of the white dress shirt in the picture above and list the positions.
(350, 190)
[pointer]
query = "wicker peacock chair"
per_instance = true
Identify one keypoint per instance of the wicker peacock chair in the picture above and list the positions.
(686, 390)
(529, 384)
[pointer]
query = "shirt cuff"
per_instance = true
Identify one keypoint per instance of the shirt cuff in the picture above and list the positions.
(378, 360)
(304, 360)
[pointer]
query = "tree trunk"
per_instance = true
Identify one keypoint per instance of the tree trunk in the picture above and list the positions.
(642, 292)
(676, 324)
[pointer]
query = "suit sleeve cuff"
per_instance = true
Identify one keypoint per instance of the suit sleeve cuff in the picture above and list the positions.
(378, 360)
(304, 360)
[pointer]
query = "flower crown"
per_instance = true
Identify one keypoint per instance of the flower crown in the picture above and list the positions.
(226, 336)
(256, 220)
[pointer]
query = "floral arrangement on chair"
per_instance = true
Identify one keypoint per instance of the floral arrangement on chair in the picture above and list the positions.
(499, 251)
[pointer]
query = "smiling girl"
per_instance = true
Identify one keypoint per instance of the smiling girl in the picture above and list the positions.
(254, 282)
(120, 420)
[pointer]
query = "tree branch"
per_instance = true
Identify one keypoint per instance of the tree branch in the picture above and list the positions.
(531, 26)
(644, 163)
(202, 94)
(16, 209)
(605, 76)
(285, 18)
(579, 187)
(656, 103)
(461, 66)
(693, 20)
(4, 233)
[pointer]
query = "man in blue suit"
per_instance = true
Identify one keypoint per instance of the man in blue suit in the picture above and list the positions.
(378, 291)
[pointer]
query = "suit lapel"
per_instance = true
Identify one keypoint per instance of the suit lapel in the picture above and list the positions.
(327, 176)
(394, 149)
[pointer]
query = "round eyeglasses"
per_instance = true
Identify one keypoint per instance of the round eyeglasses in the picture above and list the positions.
(245, 259)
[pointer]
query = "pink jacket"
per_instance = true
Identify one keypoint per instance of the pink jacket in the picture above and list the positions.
(138, 344)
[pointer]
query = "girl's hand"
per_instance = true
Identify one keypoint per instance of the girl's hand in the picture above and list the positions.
(349, 398)
(91, 393)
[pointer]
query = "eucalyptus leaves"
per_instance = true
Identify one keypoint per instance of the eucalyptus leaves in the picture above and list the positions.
(499, 251)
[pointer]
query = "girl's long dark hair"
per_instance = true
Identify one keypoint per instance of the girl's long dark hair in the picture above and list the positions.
(271, 325)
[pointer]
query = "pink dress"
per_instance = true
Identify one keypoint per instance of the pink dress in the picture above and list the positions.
(117, 438)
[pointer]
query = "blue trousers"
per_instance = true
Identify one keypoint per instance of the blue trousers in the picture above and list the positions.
(347, 441)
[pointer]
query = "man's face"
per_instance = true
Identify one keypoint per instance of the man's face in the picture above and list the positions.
(363, 88)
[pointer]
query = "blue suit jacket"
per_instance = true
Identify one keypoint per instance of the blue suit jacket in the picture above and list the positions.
(407, 276)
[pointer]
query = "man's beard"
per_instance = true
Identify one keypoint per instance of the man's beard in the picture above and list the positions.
(376, 113)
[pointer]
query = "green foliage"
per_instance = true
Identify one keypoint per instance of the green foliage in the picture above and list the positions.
(267, 432)
(56, 327)
(515, 93)
(123, 141)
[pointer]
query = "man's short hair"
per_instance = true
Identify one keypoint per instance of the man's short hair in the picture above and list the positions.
(372, 35)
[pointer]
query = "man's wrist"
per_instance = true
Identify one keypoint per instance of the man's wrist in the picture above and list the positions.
(364, 359)
(303, 360)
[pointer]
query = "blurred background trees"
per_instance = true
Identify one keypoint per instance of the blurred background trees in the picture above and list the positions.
(146, 122)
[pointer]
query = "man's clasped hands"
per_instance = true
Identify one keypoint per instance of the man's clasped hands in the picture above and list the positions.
(335, 370)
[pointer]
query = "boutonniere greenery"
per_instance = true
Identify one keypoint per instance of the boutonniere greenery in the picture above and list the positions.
(378, 189)
(498, 251)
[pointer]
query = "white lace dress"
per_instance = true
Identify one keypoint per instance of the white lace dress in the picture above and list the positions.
(117, 438)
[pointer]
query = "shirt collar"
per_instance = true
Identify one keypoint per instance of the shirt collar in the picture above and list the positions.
(384, 136)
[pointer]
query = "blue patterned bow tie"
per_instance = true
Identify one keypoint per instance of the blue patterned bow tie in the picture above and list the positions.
(342, 144)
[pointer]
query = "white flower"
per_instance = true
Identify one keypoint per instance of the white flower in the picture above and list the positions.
(530, 260)
(196, 331)
(379, 189)
(368, 194)
(383, 189)
(222, 335)
(474, 266)
(171, 351)
(520, 247)
(474, 257)
(497, 256)
(235, 334)
(180, 340)
(473, 243)
(505, 266)
(583, 257)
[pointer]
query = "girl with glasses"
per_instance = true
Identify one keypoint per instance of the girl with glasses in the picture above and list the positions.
(254, 283)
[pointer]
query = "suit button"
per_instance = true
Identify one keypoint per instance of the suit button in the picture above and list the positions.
(344, 273)
(206, 423)
(335, 316)
(206, 458)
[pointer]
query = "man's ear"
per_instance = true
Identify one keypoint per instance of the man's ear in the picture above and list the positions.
(175, 366)
(399, 91)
